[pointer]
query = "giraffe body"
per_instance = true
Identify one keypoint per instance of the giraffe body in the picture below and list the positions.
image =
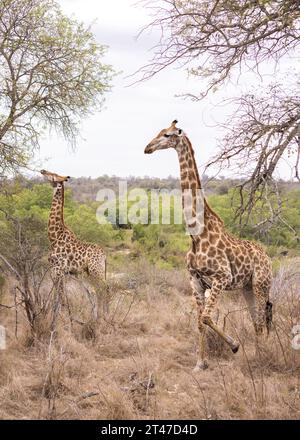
(217, 261)
(241, 263)
(72, 256)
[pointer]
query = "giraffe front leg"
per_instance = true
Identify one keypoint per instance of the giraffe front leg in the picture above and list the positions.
(260, 309)
(198, 292)
(58, 296)
(210, 303)
(202, 363)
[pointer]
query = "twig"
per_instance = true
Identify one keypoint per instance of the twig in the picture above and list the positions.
(229, 312)
(11, 307)
(10, 266)
(148, 387)
(82, 397)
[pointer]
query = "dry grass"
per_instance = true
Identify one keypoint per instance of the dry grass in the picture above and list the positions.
(136, 360)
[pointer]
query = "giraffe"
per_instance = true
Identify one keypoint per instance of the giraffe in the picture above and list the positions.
(68, 254)
(217, 261)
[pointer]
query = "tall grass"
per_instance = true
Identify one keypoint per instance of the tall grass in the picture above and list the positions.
(139, 362)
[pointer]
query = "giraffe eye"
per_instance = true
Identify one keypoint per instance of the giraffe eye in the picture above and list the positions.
(167, 135)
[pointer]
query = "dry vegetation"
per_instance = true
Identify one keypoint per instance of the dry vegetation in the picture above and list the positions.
(136, 359)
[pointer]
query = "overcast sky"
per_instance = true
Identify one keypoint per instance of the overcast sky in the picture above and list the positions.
(113, 141)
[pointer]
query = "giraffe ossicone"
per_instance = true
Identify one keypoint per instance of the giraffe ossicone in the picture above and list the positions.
(217, 261)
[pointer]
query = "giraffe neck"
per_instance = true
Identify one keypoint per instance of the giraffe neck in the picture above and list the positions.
(56, 224)
(190, 180)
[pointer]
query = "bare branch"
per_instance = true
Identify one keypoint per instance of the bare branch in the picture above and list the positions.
(211, 38)
(264, 131)
(11, 268)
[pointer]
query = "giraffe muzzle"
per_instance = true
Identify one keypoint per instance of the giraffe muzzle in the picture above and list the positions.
(149, 149)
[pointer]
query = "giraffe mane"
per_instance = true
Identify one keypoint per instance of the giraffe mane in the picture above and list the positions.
(199, 182)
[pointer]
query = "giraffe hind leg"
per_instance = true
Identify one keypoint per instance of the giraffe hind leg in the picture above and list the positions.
(263, 316)
(269, 315)
(250, 300)
(262, 308)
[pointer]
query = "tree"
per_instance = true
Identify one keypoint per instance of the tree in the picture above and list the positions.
(265, 129)
(23, 247)
(216, 39)
(219, 35)
(51, 75)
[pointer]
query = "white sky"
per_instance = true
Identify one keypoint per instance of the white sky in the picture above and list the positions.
(112, 141)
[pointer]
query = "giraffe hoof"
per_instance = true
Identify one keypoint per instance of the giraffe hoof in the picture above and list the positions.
(235, 348)
(201, 366)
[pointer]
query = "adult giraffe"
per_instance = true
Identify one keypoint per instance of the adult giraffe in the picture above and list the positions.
(68, 254)
(217, 261)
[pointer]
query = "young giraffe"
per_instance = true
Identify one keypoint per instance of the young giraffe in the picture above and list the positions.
(68, 254)
(217, 261)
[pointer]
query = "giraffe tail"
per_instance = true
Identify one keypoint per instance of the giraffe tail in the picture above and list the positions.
(269, 315)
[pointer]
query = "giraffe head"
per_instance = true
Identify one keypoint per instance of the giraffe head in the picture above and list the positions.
(166, 138)
(54, 178)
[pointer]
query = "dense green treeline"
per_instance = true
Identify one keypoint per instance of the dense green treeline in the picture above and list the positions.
(26, 207)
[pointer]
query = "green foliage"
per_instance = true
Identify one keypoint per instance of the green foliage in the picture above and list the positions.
(164, 245)
(167, 245)
(82, 220)
(23, 221)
